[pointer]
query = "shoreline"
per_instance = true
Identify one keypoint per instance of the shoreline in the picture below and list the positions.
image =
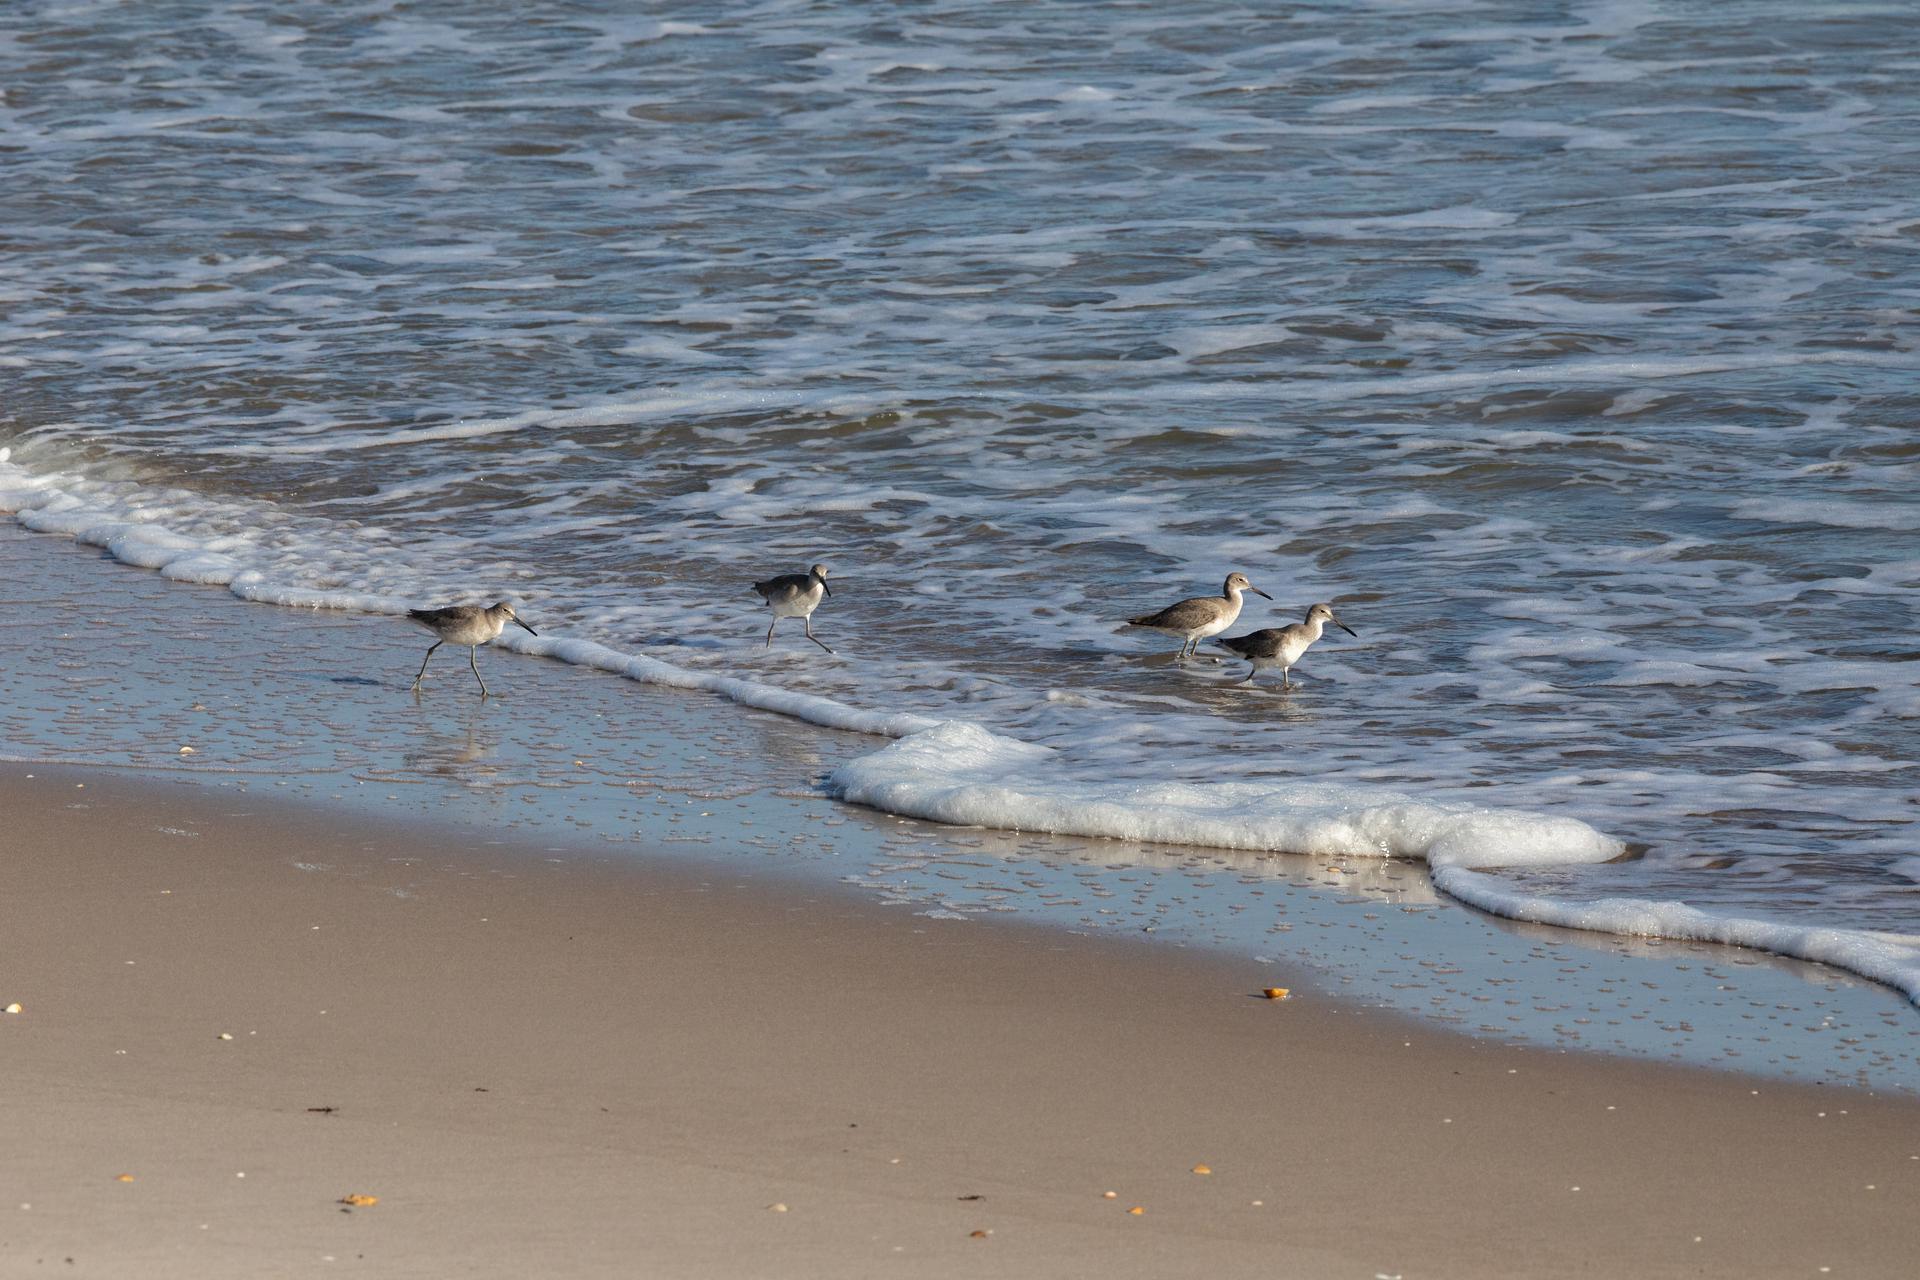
(593, 1065)
(129, 670)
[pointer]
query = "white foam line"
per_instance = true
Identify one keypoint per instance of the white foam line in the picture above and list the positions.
(701, 401)
(801, 706)
(961, 774)
(625, 411)
(1556, 373)
(1879, 957)
(41, 504)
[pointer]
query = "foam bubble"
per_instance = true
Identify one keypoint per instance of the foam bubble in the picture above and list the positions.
(962, 774)
(1891, 959)
(801, 706)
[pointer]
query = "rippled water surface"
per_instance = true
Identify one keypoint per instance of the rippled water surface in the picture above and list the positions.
(1569, 350)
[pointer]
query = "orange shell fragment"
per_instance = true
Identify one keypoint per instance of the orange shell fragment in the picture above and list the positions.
(1202, 1169)
(359, 1201)
(1275, 993)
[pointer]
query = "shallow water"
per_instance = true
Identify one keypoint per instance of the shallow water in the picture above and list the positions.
(1571, 357)
(128, 672)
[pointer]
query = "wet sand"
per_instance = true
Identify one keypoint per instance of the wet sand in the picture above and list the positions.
(553, 1061)
(118, 667)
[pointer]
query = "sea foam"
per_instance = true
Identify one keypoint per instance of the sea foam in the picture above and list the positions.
(113, 516)
(956, 772)
(960, 773)
(1893, 959)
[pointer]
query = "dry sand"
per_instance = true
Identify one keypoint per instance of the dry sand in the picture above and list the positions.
(548, 1065)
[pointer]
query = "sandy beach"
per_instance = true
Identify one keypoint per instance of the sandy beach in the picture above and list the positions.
(568, 1063)
(1552, 910)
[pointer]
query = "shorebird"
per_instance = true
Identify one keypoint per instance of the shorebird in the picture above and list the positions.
(467, 624)
(795, 595)
(1282, 646)
(1196, 619)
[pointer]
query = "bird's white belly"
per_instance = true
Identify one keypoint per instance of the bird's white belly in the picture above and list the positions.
(1215, 627)
(477, 632)
(797, 606)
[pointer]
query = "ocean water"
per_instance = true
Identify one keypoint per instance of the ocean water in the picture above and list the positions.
(1569, 350)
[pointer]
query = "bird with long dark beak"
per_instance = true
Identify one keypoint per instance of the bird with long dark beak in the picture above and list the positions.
(467, 624)
(1283, 646)
(1203, 616)
(795, 595)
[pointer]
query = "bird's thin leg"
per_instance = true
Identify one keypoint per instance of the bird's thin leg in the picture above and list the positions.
(423, 662)
(816, 639)
(471, 650)
(770, 627)
(1251, 673)
(1286, 677)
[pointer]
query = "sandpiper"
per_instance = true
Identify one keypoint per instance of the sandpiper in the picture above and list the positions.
(1196, 619)
(469, 624)
(1282, 646)
(795, 595)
